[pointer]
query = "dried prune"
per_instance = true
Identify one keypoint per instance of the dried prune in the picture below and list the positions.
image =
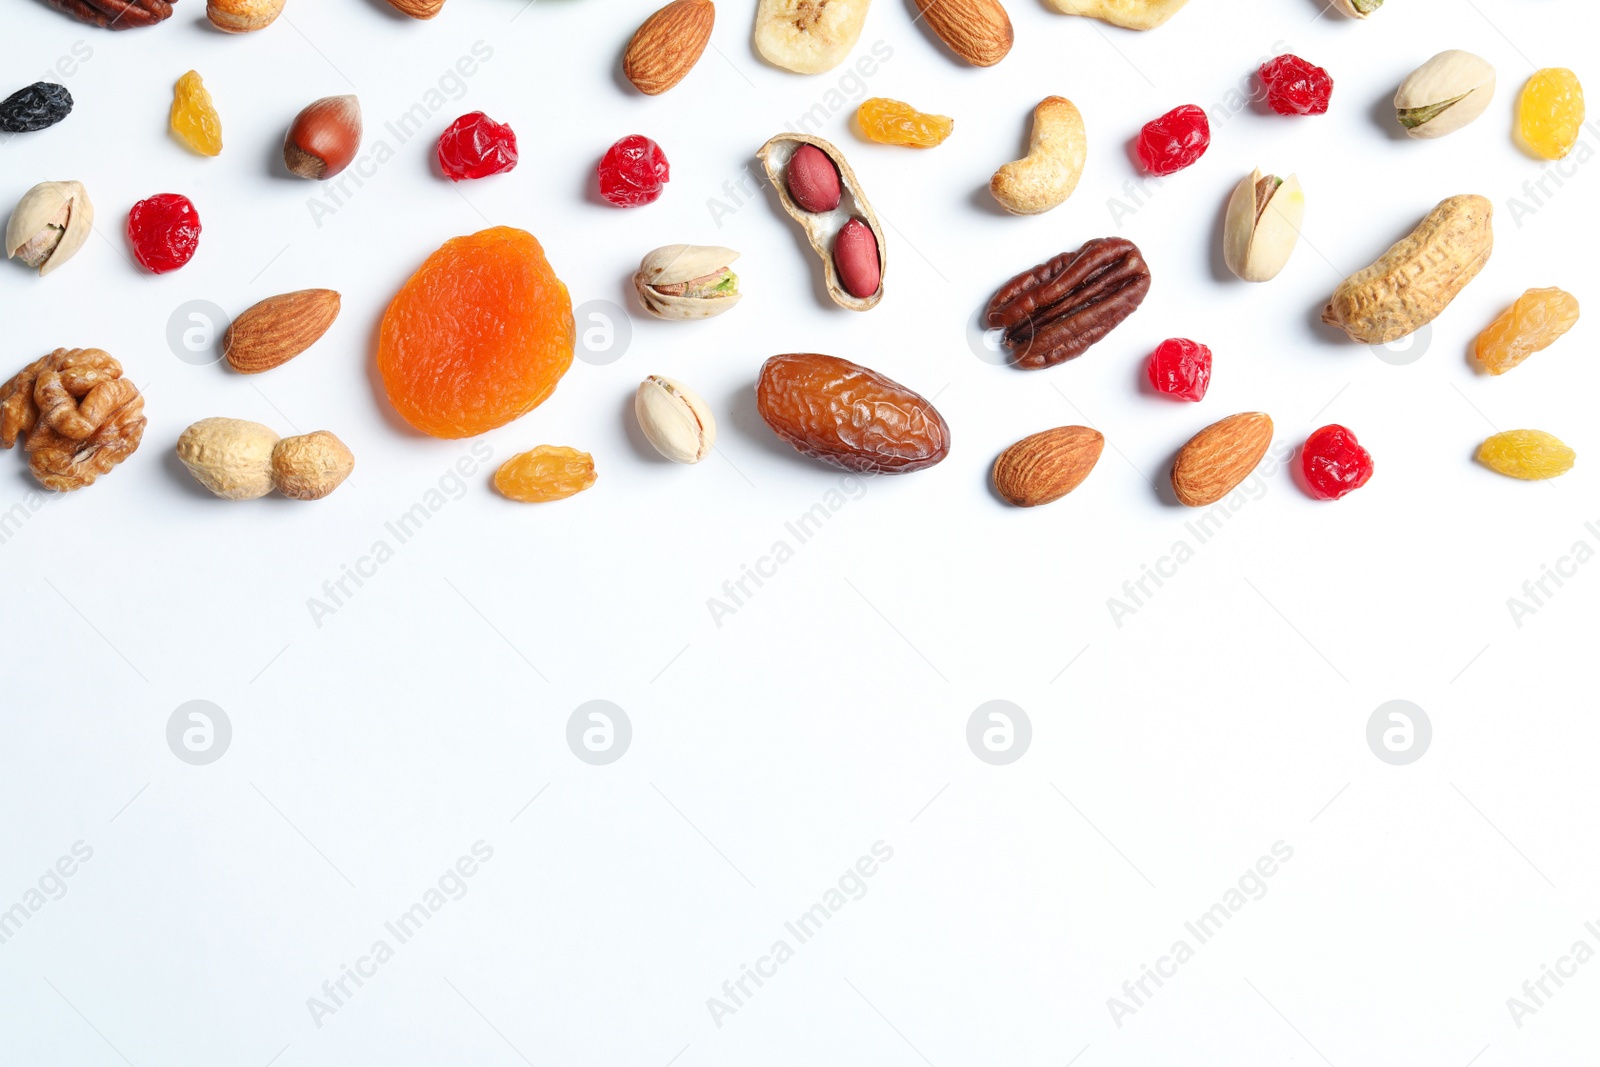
(37, 107)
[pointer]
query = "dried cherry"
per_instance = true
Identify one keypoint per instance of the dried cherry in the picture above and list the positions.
(1334, 463)
(1296, 87)
(476, 146)
(165, 231)
(1180, 367)
(633, 171)
(1175, 140)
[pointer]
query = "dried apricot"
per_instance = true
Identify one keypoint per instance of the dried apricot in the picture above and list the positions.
(549, 472)
(1527, 454)
(194, 117)
(479, 335)
(893, 122)
(1550, 113)
(1535, 322)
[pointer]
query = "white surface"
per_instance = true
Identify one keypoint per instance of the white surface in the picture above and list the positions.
(829, 712)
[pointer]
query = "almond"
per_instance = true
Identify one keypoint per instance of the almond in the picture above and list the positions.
(1219, 457)
(417, 9)
(1046, 466)
(279, 328)
(668, 45)
(979, 31)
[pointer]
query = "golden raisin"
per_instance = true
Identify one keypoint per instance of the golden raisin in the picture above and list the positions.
(549, 472)
(1532, 324)
(194, 116)
(1527, 454)
(892, 122)
(1550, 114)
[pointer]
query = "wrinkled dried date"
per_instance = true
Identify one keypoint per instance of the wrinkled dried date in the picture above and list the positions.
(116, 14)
(1055, 311)
(37, 107)
(841, 413)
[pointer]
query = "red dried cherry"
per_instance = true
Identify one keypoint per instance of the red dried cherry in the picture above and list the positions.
(476, 146)
(1334, 463)
(1175, 140)
(633, 171)
(1295, 87)
(165, 231)
(1180, 367)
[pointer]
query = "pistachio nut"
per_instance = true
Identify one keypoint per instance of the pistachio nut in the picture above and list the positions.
(674, 419)
(1444, 94)
(1358, 9)
(1262, 225)
(687, 281)
(49, 225)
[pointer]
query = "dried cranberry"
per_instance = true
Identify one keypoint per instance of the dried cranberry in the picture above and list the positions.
(1181, 368)
(1334, 463)
(1295, 87)
(1175, 140)
(165, 231)
(633, 171)
(476, 146)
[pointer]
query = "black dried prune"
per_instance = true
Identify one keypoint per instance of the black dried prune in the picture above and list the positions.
(40, 105)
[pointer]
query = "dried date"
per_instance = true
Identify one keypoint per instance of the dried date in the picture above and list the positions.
(1055, 311)
(37, 107)
(845, 414)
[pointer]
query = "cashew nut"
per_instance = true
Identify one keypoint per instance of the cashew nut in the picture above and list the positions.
(1048, 174)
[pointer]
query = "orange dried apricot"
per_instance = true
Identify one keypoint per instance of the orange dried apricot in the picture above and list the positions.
(479, 335)
(549, 472)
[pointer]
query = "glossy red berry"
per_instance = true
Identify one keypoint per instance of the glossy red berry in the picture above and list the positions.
(164, 231)
(633, 172)
(1334, 463)
(1181, 368)
(1295, 87)
(476, 146)
(1175, 140)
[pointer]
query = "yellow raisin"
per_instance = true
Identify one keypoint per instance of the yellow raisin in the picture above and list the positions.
(1550, 114)
(892, 122)
(549, 472)
(1528, 454)
(1532, 324)
(194, 116)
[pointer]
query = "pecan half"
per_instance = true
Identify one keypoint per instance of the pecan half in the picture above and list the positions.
(1058, 309)
(116, 14)
(76, 413)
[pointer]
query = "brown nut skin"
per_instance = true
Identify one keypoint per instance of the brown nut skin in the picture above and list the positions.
(1046, 466)
(311, 465)
(324, 138)
(979, 31)
(855, 259)
(1057, 310)
(668, 45)
(813, 180)
(844, 414)
(116, 14)
(1219, 457)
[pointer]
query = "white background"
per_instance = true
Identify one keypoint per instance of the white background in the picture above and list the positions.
(829, 712)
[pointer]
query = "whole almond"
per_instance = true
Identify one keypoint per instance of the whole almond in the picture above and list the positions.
(417, 9)
(1046, 466)
(668, 45)
(279, 328)
(979, 31)
(1219, 457)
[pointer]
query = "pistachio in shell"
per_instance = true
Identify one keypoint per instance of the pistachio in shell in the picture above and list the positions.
(687, 281)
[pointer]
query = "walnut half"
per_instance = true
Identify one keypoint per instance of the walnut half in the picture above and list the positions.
(76, 414)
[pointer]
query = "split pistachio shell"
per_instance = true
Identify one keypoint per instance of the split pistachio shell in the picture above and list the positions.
(687, 281)
(1358, 9)
(1444, 94)
(674, 419)
(49, 225)
(1262, 226)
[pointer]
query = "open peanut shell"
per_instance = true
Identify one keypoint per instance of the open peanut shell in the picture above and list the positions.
(822, 228)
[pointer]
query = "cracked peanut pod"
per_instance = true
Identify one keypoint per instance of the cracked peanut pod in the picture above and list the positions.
(808, 36)
(1049, 173)
(1129, 14)
(822, 228)
(1412, 283)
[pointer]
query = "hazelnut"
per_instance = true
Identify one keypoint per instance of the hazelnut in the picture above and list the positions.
(324, 138)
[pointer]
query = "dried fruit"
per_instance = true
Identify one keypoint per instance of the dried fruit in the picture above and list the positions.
(1057, 310)
(687, 281)
(802, 166)
(243, 16)
(478, 336)
(476, 146)
(667, 46)
(979, 31)
(1219, 457)
(232, 458)
(1047, 175)
(808, 36)
(1532, 455)
(1262, 225)
(1180, 367)
(1535, 322)
(1175, 140)
(1295, 87)
(165, 231)
(273, 332)
(116, 14)
(1412, 283)
(194, 117)
(633, 172)
(892, 122)
(1129, 14)
(1444, 94)
(1550, 113)
(76, 415)
(1334, 463)
(36, 107)
(324, 138)
(549, 472)
(675, 421)
(311, 465)
(50, 224)
(844, 414)
(1046, 466)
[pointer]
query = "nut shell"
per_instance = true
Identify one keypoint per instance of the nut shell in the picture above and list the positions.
(1262, 225)
(675, 420)
(822, 228)
(324, 138)
(674, 265)
(41, 207)
(1444, 94)
(311, 465)
(230, 457)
